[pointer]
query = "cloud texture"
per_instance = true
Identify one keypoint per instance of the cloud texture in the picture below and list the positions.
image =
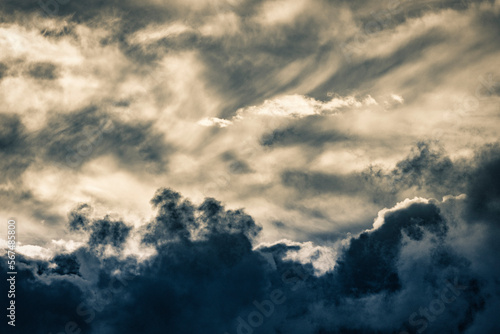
(422, 267)
(315, 166)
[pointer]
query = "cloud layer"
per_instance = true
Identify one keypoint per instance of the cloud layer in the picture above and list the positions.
(152, 93)
(424, 266)
(361, 139)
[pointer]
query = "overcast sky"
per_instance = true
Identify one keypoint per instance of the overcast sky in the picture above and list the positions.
(322, 132)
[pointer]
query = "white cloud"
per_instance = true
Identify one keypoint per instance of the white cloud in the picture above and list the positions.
(301, 106)
(322, 258)
(397, 98)
(35, 252)
(46, 253)
(153, 33)
(223, 24)
(292, 106)
(379, 221)
(66, 245)
(280, 11)
(214, 121)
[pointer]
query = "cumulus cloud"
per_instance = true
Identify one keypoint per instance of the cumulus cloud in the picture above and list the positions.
(408, 274)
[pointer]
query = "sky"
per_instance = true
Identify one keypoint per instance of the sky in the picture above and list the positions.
(234, 166)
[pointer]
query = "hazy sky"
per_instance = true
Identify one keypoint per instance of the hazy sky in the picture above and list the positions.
(317, 118)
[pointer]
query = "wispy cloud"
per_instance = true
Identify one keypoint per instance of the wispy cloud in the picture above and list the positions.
(293, 106)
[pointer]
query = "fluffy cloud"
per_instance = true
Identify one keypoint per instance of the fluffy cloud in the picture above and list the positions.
(409, 274)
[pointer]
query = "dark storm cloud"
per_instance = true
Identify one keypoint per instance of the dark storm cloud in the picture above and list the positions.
(193, 282)
(178, 219)
(369, 268)
(174, 286)
(103, 232)
(484, 193)
(43, 307)
(429, 167)
(369, 264)
(79, 218)
(205, 277)
(67, 264)
(377, 277)
(175, 218)
(108, 232)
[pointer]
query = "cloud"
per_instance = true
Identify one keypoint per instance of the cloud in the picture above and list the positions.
(379, 221)
(293, 106)
(153, 34)
(338, 126)
(77, 138)
(181, 220)
(412, 262)
(377, 251)
(308, 132)
(427, 171)
(214, 121)
(15, 150)
(43, 71)
(3, 70)
(483, 199)
(397, 98)
(322, 258)
(173, 64)
(301, 106)
(205, 266)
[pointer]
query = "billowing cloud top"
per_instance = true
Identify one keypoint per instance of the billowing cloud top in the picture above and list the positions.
(312, 166)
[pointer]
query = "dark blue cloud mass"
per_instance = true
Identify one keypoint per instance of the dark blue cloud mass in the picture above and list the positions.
(411, 273)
